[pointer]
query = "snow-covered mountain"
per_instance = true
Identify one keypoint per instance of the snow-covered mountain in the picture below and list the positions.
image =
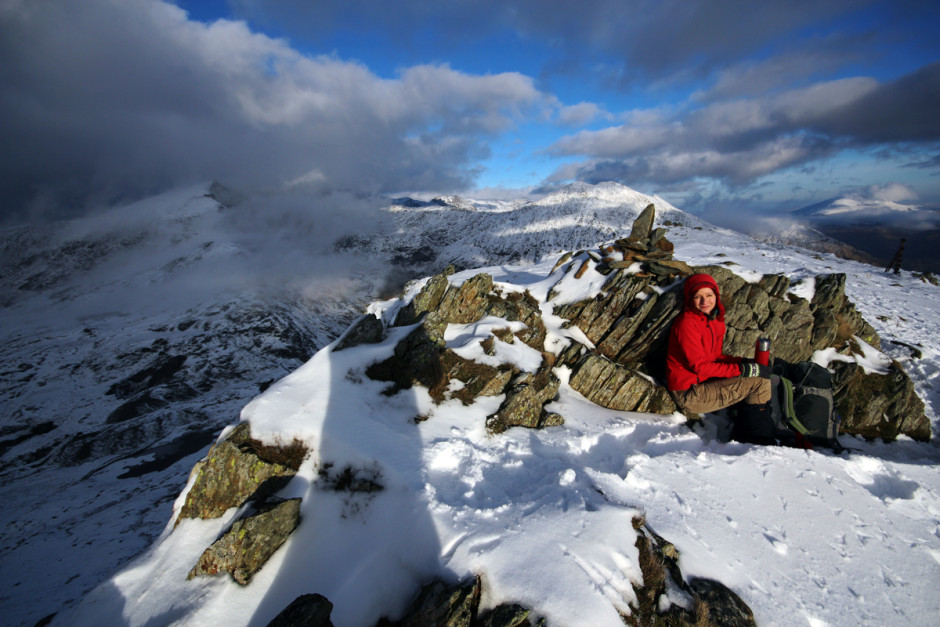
(875, 224)
(786, 231)
(132, 338)
(857, 209)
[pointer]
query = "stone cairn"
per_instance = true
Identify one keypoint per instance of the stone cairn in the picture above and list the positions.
(645, 246)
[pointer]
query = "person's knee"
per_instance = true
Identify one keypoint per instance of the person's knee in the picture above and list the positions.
(761, 393)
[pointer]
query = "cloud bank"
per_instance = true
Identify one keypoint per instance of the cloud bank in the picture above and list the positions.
(740, 140)
(105, 99)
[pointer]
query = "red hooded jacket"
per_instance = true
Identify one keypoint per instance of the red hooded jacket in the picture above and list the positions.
(695, 340)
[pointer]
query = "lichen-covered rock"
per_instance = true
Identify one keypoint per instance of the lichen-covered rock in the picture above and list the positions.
(614, 386)
(508, 615)
(525, 402)
(443, 605)
(721, 606)
(643, 224)
(427, 299)
(597, 316)
(836, 319)
(236, 469)
(879, 406)
(250, 542)
(467, 303)
(713, 602)
(423, 358)
(367, 330)
(307, 610)
(628, 323)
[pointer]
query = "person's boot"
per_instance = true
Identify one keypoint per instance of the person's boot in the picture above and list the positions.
(754, 424)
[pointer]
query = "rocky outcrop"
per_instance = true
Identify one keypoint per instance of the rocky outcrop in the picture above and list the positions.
(250, 542)
(240, 471)
(629, 320)
(456, 604)
(423, 357)
(236, 469)
(627, 324)
(307, 610)
(713, 603)
(879, 405)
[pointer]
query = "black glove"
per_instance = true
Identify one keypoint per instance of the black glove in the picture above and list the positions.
(754, 369)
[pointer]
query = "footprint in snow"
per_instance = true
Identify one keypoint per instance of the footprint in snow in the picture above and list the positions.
(779, 546)
(883, 482)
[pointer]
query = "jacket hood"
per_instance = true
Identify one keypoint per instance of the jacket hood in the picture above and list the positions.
(696, 282)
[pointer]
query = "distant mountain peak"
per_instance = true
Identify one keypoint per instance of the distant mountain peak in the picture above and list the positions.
(854, 208)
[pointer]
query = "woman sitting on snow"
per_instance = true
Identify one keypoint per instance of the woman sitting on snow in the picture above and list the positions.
(700, 376)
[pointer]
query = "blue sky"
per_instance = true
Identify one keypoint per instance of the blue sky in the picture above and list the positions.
(728, 104)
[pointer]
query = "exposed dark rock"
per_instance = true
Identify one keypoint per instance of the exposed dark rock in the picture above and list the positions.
(628, 323)
(713, 602)
(468, 303)
(526, 397)
(367, 330)
(158, 372)
(723, 607)
(142, 404)
(669, 267)
(422, 357)
(643, 224)
(609, 384)
(507, 615)
(630, 319)
(836, 319)
(168, 453)
(307, 610)
(879, 406)
(427, 299)
(23, 433)
(443, 605)
(250, 542)
(236, 469)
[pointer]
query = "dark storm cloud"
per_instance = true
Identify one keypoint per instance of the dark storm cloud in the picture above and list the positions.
(903, 110)
(115, 99)
(741, 140)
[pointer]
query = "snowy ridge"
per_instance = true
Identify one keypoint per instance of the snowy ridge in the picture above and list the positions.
(130, 338)
(545, 516)
(853, 208)
(427, 237)
(803, 537)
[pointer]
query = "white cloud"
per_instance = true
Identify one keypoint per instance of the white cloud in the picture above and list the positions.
(581, 114)
(892, 192)
(736, 141)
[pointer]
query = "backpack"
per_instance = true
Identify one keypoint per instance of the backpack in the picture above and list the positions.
(804, 404)
(801, 412)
